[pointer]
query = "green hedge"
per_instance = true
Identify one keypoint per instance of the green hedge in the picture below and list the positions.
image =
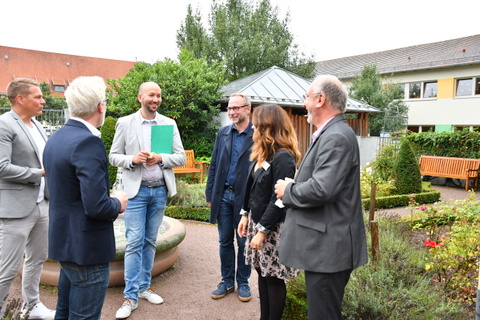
(462, 144)
(108, 132)
(403, 200)
(197, 214)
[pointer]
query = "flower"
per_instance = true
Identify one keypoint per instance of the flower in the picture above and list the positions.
(431, 244)
(423, 208)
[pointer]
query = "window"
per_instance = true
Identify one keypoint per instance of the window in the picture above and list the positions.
(468, 87)
(418, 90)
(414, 90)
(430, 89)
(58, 88)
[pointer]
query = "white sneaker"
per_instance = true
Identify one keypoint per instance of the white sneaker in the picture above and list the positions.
(39, 311)
(150, 296)
(126, 309)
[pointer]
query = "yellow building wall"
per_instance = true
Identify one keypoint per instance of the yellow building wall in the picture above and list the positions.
(446, 88)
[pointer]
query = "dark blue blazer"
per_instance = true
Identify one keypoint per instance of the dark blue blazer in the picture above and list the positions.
(81, 210)
(218, 170)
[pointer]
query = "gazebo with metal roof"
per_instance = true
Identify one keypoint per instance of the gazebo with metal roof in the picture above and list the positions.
(276, 85)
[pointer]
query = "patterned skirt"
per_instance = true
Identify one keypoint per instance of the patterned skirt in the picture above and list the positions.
(266, 259)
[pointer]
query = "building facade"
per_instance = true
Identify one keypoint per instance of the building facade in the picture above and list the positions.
(55, 69)
(441, 80)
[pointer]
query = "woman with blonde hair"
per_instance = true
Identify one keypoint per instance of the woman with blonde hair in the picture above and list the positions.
(274, 156)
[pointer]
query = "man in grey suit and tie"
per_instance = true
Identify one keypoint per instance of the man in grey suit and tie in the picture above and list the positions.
(23, 195)
(324, 232)
(148, 178)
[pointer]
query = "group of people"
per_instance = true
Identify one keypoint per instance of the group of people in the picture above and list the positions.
(56, 201)
(282, 219)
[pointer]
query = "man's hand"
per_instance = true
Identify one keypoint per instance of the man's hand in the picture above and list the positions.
(141, 157)
(281, 185)
(153, 159)
(122, 197)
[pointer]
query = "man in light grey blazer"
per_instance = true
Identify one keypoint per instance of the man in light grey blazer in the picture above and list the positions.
(23, 196)
(147, 178)
(324, 232)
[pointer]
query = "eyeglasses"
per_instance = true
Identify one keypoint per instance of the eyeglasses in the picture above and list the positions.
(105, 100)
(305, 96)
(235, 109)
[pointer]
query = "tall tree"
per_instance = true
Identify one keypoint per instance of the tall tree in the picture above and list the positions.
(387, 97)
(190, 89)
(245, 37)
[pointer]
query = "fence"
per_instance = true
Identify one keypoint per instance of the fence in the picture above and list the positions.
(51, 120)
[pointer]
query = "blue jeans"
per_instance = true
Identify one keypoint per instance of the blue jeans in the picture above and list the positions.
(143, 217)
(227, 232)
(81, 291)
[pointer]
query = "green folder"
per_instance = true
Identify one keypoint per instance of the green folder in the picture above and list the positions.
(162, 139)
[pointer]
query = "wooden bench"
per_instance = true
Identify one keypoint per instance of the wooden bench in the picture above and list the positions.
(449, 167)
(191, 166)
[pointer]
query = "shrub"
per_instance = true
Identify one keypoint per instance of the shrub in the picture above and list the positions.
(108, 132)
(367, 177)
(394, 287)
(196, 214)
(189, 195)
(428, 195)
(460, 143)
(13, 310)
(384, 163)
(454, 251)
(407, 172)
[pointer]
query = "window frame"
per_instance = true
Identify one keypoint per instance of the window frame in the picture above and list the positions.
(474, 87)
(422, 85)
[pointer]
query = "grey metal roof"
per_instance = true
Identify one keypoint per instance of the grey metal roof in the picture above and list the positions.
(276, 85)
(449, 53)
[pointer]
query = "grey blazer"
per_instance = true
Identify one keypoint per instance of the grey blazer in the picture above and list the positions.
(20, 167)
(324, 229)
(128, 141)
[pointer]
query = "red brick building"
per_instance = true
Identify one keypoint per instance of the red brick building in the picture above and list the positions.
(55, 69)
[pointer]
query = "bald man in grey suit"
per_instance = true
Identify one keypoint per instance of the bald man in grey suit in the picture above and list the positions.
(324, 232)
(23, 195)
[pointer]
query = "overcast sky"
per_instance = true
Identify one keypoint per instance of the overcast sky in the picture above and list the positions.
(145, 30)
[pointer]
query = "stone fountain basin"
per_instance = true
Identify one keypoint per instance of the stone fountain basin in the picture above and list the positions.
(170, 235)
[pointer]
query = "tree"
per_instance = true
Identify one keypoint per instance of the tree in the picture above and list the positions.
(407, 172)
(368, 88)
(4, 103)
(51, 101)
(246, 38)
(190, 89)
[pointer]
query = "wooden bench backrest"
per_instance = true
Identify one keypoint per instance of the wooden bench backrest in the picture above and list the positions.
(455, 166)
(190, 163)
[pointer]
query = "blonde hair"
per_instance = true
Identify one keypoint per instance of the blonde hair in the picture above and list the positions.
(274, 131)
(20, 86)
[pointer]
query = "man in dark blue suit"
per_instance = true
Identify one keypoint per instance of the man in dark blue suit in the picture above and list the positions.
(82, 212)
(225, 191)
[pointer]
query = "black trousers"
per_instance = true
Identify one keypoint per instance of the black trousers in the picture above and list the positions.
(325, 294)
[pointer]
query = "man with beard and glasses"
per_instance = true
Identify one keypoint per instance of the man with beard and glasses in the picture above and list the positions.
(225, 192)
(147, 177)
